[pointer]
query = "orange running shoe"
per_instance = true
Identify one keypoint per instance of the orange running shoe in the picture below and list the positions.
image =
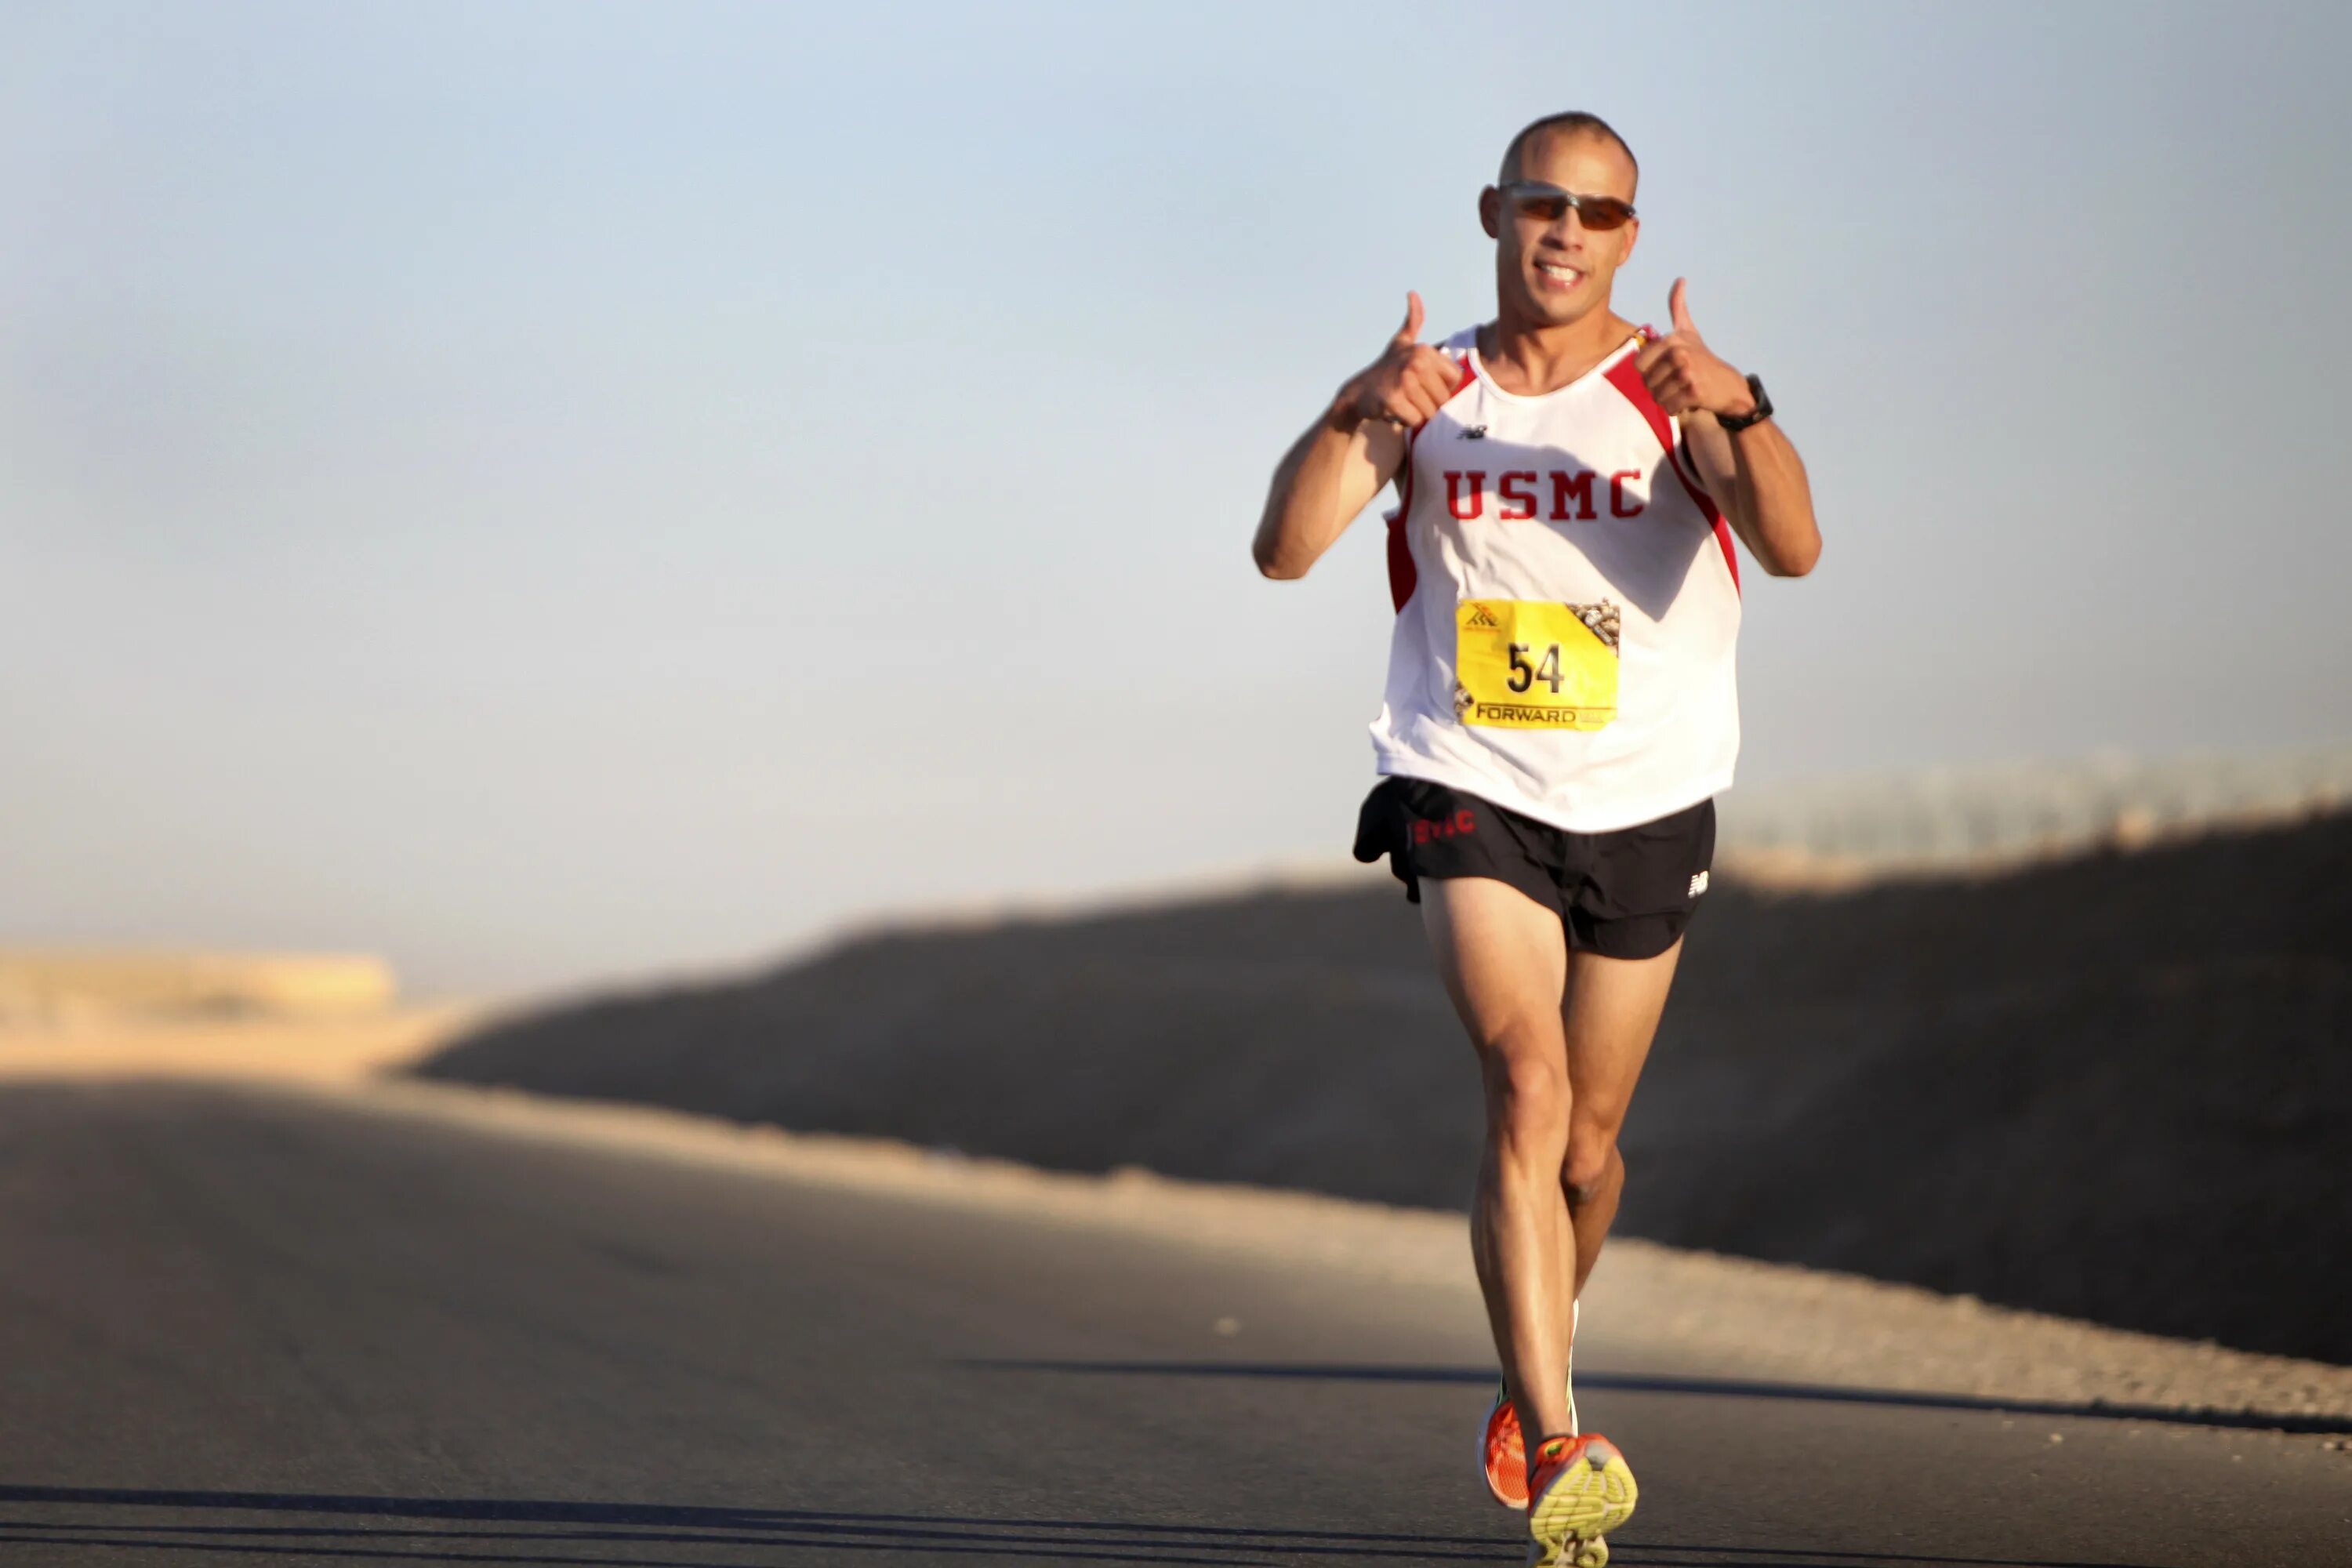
(1502, 1448)
(1583, 1489)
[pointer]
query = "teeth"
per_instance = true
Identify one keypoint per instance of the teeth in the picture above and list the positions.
(1550, 270)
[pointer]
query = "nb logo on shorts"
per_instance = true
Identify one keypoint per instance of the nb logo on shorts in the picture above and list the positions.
(1698, 885)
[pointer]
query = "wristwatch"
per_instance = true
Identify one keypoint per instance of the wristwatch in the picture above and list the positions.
(1763, 409)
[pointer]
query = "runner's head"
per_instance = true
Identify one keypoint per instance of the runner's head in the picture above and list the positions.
(1553, 262)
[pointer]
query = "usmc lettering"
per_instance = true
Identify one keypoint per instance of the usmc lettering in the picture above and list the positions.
(1518, 502)
(1426, 828)
(1517, 496)
(1576, 487)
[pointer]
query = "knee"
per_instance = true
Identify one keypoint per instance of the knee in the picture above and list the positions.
(1527, 1103)
(1593, 1160)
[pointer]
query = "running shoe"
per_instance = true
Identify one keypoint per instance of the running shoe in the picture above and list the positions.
(1583, 1489)
(1503, 1449)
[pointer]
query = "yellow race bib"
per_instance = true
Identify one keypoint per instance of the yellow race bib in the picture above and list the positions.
(1526, 664)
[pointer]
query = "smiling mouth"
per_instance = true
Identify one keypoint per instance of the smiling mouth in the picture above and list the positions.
(1558, 276)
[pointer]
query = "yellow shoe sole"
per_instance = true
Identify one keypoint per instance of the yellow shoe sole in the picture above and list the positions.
(1594, 1553)
(1592, 1497)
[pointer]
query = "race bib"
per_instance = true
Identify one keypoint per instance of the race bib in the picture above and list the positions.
(1526, 664)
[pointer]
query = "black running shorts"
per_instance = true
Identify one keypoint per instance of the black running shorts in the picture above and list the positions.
(1626, 894)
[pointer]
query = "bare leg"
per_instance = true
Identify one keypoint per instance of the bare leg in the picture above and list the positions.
(1609, 1020)
(1504, 959)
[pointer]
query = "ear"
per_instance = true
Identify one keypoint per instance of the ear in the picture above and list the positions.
(1633, 232)
(1490, 212)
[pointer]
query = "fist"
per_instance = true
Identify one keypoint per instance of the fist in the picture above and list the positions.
(1684, 374)
(1405, 385)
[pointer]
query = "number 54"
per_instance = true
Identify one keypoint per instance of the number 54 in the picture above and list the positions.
(1524, 675)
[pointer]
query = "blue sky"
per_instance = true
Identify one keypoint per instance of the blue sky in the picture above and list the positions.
(547, 492)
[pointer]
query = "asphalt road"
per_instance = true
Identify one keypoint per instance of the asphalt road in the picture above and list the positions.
(239, 1327)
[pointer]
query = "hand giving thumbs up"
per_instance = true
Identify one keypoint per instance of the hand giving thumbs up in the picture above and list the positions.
(1405, 385)
(1684, 374)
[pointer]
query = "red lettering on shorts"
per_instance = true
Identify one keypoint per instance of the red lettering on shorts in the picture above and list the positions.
(1426, 828)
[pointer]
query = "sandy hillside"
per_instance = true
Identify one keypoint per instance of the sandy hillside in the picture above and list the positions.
(270, 1050)
(2114, 1087)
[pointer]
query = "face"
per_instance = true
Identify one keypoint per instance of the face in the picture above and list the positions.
(1557, 272)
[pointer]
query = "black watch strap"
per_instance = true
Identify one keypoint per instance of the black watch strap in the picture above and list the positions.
(1763, 409)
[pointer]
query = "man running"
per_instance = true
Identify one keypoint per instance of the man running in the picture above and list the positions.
(1560, 711)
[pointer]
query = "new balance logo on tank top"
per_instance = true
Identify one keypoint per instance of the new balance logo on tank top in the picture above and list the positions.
(1568, 605)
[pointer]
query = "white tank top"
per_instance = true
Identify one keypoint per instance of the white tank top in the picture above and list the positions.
(1568, 604)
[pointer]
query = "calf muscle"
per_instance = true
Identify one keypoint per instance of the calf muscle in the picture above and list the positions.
(1608, 1019)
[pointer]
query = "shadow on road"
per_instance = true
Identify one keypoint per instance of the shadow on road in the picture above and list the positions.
(1636, 1383)
(641, 1535)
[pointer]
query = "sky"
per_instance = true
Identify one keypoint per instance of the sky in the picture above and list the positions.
(558, 493)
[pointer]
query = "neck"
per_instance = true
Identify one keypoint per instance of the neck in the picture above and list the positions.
(1535, 357)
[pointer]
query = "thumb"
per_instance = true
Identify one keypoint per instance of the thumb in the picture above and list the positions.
(1410, 332)
(1678, 303)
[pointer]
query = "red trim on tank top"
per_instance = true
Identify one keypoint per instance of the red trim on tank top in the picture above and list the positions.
(1403, 576)
(1625, 375)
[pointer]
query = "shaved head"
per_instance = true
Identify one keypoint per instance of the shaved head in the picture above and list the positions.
(1575, 122)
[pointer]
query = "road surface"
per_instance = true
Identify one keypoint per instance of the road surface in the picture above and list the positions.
(244, 1327)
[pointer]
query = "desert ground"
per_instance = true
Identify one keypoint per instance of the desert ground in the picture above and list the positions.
(2109, 1086)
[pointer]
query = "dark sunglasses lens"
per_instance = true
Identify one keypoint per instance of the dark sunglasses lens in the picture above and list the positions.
(1543, 207)
(1603, 212)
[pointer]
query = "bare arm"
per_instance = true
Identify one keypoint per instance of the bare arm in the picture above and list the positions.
(1756, 472)
(1333, 471)
(1330, 474)
(1761, 481)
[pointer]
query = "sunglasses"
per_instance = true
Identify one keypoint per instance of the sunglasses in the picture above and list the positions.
(1547, 204)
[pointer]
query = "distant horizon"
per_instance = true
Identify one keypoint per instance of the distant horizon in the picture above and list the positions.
(2224, 792)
